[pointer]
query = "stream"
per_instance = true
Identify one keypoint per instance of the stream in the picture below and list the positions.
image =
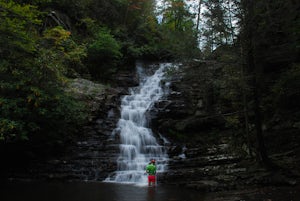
(101, 191)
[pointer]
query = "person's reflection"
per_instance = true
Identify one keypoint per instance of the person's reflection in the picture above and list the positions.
(151, 194)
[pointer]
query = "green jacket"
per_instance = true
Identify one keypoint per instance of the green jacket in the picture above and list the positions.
(151, 169)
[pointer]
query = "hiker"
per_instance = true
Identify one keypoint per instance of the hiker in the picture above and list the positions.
(151, 171)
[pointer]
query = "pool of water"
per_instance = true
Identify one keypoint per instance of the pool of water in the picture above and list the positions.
(98, 191)
(92, 191)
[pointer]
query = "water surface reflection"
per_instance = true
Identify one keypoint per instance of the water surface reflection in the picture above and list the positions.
(98, 191)
(93, 191)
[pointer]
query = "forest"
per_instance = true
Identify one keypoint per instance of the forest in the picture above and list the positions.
(45, 44)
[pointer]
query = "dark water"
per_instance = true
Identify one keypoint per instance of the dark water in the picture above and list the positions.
(92, 191)
(89, 191)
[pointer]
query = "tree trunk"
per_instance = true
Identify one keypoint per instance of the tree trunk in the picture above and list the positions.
(257, 84)
(198, 15)
(245, 105)
(230, 22)
(262, 153)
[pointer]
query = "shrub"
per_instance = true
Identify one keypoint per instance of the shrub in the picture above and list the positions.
(103, 54)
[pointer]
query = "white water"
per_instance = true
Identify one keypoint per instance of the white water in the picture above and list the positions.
(138, 144)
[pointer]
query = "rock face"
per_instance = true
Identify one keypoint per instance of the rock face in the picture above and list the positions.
(189, 109)
(201, 152)
(95, 153)
(200, 156)
(206, 169)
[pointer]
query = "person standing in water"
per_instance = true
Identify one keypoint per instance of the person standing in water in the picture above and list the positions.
(151, 171)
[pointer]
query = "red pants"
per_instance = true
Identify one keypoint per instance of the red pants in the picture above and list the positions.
(151, 178)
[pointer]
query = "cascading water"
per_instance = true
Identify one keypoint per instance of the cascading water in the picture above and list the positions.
(138, 145)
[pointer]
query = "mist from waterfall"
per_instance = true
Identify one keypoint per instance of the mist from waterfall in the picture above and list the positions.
(138, 144)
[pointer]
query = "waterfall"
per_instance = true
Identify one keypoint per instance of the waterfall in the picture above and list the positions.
(138, 144)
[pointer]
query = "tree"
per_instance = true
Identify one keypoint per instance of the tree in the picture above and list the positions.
(220, 23)
(178, 30)
(176, 15)
(268, 37)
(32, 101)
(17, 46)
(103, 55)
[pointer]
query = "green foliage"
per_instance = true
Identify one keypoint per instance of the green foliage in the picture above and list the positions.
(57, 36)
(107, 12)
(178, 36)
(90, 27)
(103, 54)
(16, 29)
(33, 105)
(138, 13)
(276, 33)
(34, 2)
(177, 16)
(179, 45)
(260, 86)
(33, 102)
(105, 46)
(67, 51)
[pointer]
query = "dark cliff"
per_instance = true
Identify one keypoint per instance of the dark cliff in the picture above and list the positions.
(209, 150)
